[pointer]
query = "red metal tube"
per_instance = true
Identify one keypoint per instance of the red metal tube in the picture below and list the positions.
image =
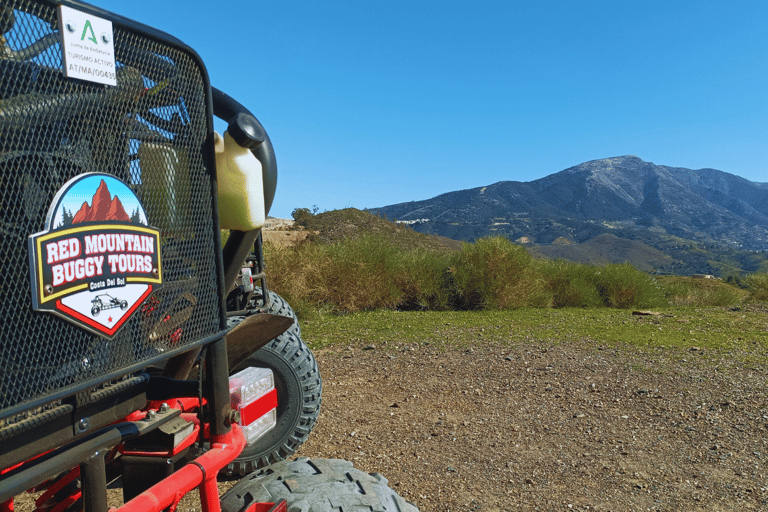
(201, 473)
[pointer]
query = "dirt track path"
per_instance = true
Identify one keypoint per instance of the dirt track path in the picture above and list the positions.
(549, 427)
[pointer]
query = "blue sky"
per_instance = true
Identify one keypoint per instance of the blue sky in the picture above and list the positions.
(375, 103)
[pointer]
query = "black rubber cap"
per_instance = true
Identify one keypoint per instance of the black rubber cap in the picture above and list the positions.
(246, 131)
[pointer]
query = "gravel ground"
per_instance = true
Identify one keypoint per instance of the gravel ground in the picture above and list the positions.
(549, 427)
(545, 427)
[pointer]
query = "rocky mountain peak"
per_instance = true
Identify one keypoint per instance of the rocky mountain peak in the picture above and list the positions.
(610, 195)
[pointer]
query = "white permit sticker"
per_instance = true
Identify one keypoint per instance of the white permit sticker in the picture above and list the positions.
(88, 46)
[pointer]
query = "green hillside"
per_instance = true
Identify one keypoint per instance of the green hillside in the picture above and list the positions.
(603, 249)
(351, 223)
(648, 251)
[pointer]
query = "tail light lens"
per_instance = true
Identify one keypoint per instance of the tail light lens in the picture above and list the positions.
(252, 393)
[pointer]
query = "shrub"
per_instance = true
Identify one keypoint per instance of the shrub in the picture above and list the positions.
(724, 296)
(302, 216)
(758, 285)
(571, 284)
(623, 286)
(686, 291)
(291, 271)
(349, 276)
(359, 275)
(495, 273)
(371, 273)
(422, 280)
(681, 293)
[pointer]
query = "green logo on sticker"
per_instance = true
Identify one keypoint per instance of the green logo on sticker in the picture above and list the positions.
(87, 27)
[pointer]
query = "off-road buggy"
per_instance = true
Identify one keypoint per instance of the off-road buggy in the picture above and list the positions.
(114, 190)
(105, 301)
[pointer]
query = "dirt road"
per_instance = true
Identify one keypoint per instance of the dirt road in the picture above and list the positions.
(540, 427)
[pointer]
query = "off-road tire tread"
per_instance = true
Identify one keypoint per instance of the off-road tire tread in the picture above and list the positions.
(290, 348)
(319, 485)
(279, 306)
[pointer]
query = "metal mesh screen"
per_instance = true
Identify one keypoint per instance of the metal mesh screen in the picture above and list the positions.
(149, 131)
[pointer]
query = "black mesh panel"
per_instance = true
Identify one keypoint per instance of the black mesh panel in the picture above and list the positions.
(149, 131)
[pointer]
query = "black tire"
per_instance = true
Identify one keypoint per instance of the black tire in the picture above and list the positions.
(299, 389)
(321, 485)
(278, 306)
(95, 310)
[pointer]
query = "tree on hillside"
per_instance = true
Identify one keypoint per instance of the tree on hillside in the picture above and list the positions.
(302, 216)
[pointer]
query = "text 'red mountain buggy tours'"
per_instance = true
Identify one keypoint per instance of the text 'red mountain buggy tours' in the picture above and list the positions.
(135, 350)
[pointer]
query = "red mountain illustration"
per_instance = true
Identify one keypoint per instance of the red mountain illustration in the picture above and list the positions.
(102, 207)
(116, 210)
(81, 214)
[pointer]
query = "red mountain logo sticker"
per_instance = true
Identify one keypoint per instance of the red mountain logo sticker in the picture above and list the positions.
(96, 266)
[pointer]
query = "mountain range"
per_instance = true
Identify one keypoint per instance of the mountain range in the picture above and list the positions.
(663, 208)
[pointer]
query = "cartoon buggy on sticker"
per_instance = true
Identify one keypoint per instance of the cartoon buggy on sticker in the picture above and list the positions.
(105, 301)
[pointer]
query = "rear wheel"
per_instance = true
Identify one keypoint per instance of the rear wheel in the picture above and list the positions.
(278, 306)
(299, 389)
(321, 485)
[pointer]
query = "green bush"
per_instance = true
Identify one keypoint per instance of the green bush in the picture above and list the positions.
(291, 270)
(687, 291)
(495, 273)
(357, 275)
(571, 284)
(723, 296)
(421, 280)
(613, 285)
(758, 285)
(681, 293)
(303, 216)
(623, 286)
(360, 275)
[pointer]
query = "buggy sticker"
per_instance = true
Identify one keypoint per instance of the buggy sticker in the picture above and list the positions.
(104, 301)
(96, 263)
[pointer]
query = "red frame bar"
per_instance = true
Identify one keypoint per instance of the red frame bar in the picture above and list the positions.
(201, 473)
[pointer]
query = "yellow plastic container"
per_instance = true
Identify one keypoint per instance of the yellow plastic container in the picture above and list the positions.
(241, 187)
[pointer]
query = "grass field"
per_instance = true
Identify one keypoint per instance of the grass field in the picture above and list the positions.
(706, 331)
